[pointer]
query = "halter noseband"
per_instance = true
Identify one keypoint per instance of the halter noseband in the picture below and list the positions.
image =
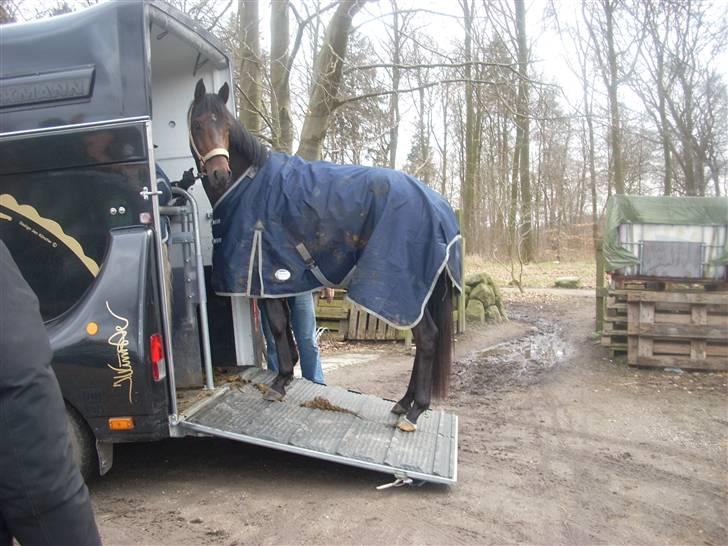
(209, 155)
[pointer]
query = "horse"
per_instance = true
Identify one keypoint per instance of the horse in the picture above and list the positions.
(283, 226)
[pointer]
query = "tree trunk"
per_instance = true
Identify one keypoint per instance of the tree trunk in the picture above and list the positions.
(467, 193)
(614, 129)
(524, 124)
(249, 35)
(394, 97)
(327, 79)
(443, 180)
(279, 77)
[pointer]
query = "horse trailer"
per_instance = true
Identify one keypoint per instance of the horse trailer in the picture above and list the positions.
(93, 117)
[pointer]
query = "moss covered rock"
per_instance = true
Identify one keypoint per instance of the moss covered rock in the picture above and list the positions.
(475, 312)
(483, 293)
(568, 282)
(493, 314)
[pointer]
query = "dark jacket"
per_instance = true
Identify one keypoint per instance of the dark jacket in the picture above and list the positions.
(37, 471)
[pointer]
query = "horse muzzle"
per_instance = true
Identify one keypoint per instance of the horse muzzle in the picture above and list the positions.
(217, 169)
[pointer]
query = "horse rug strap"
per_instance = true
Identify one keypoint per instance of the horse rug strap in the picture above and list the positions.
(311, 265)
(295, 226)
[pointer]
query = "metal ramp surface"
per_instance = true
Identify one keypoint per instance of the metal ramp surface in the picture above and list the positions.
(366, 438)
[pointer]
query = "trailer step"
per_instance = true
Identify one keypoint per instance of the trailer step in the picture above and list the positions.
(364, 435)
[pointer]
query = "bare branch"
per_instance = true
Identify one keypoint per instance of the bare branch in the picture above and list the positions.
(506, 66)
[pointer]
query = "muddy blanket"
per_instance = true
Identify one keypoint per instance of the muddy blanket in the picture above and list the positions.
(295, 226)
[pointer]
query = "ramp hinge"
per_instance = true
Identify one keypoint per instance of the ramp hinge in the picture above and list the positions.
(398, 482)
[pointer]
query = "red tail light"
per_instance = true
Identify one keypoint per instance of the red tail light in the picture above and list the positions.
(156, 355)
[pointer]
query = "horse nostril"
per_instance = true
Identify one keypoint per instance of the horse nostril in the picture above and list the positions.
(220, 175)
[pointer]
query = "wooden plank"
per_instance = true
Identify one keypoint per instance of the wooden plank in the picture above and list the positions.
(380, 330)
(684, 331)
(354, 315)
(632, 349)
(646, 318)
(615, 329)
(686, 318)
(715, 364)
(699, 317)
(332, 313)
(633, 317)
(679, 297)
(361, 327)
(621, 319)
(717, 349)
(683, 348)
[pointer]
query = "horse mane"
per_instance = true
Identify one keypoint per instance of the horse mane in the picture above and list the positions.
(242, 141)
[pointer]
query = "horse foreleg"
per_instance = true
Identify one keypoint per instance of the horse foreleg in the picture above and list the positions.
(279, 320)
(425, 334)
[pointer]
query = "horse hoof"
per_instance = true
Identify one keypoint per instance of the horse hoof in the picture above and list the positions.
(398, 409)
(405, 425)
(272, 395)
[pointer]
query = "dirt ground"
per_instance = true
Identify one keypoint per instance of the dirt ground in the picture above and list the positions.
(558, 445)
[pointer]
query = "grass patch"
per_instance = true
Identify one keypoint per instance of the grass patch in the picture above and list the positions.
(535, 275)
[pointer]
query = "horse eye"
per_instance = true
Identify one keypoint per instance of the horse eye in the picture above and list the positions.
(197, 125)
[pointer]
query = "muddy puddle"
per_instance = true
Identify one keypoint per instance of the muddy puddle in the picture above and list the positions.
(518, 362)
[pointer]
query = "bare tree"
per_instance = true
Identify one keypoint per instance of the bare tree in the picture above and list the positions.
(282, 136)
(524, 130)
(600, 22)
(327, 79)
(250, 65)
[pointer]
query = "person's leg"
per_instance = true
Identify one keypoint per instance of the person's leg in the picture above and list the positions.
(72, 522)
(43, 499)
(303, 320)
(271, 356)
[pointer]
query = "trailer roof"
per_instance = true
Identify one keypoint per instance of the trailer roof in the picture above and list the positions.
(640, 209)
(90, 65)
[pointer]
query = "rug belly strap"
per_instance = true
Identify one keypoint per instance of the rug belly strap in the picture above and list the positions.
(312, 267)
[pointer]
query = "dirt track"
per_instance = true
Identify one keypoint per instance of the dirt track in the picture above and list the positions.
(557, 445)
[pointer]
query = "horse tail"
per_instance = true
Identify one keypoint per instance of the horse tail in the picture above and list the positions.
(441, 310)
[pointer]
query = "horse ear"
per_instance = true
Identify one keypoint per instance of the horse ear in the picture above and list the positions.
(199, 90)
(224, 92)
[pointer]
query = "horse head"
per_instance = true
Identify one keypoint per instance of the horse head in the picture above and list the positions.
(210, 124)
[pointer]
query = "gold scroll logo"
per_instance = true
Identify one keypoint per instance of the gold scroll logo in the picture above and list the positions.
(123, 372)
(28, 212)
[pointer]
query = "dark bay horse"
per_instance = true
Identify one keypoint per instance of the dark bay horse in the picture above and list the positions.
(283, 226)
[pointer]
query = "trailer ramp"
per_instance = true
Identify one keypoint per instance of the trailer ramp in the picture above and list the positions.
(366, 437)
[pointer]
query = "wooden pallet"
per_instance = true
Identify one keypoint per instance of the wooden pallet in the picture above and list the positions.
(667, 284)
(366, 327)
(333, 316)
(678, 330)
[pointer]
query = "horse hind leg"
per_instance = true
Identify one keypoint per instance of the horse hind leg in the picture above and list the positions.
(404, 404)
(280, 325)
(425, 334)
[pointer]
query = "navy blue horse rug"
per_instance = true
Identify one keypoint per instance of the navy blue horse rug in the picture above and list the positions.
(295, 226)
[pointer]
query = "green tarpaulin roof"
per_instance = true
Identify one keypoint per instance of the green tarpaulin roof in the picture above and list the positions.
(639, 209)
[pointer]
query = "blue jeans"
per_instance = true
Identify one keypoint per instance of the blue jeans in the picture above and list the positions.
(303, 322)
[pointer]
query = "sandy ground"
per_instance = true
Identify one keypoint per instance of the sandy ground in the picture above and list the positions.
(558, 445)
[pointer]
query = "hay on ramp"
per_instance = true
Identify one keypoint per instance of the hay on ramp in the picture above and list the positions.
(321, 403)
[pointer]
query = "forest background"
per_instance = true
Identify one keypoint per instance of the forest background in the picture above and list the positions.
(526, 114)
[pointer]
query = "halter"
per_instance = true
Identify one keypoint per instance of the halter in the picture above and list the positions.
(209, 155)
